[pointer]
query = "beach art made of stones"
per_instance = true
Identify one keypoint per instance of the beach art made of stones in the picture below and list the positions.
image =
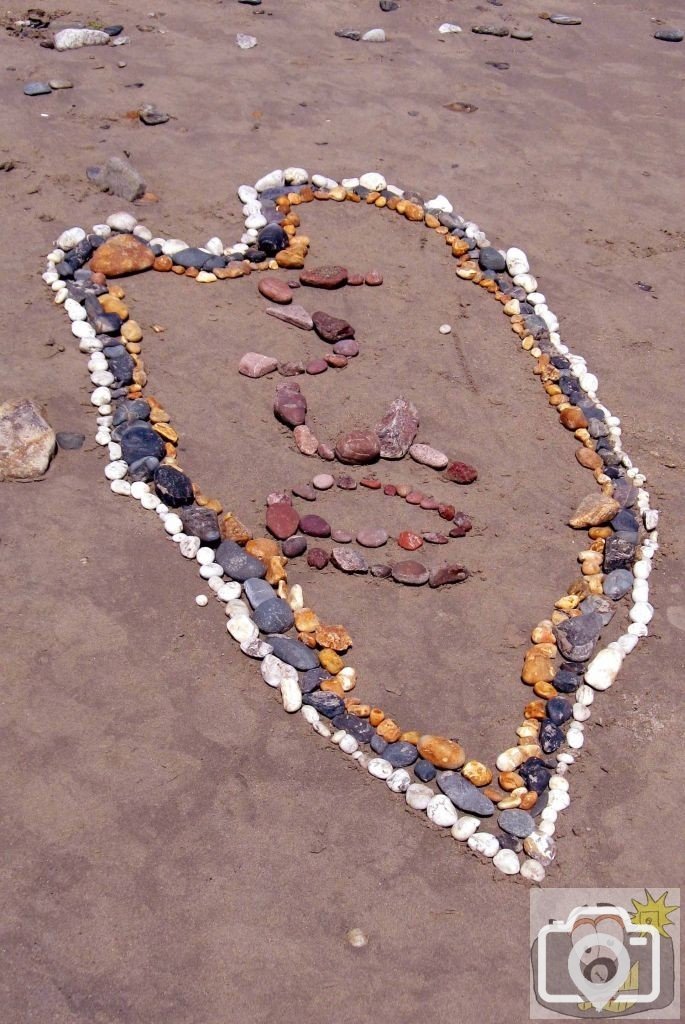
(506, 811)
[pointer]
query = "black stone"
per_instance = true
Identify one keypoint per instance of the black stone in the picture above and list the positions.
(135, 410)
(202, 523)
(122, 367)
(143, 469)
(559, 710)
(215, 263)
(400, 754)
(238, 564)
(312, 679)
(327, 704)
(425, 771)
(535, 774)
(508, 842)
(191, 257)
(359, 727)
(669, 35)
(388, 5)
(273, 616)
(272, 239)
(255, 256)
(113, 30)
(577, 637)
(36, 89)
(173, 487)
(550, 737)
(139, 441)
(292, 652)
(490, 258)
(69, 441)
(378, 744)
(618, 553)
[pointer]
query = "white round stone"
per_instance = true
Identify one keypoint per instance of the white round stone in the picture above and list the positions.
(173, 245)
(214, 582)
(215, 246)
(640, 591)
(100, 396)
(380, 768)
(440, 810)
(440, 202)
(291, 694)
(230, 591)
(205, 556)
(202, 600)
(465, 827)
(581, 713)
(149, 501)
(484, 843)
(143, 233)
(575, 738)
(558, 783)
(172, 523)
(399, 781)
(246, 192)
(642, 612)
(419, 796)
(348, 744)
(585, 695)
(527, 282)
(102, 378)
(295, 176)
(507, 862)
(139, 488)
(121, 487)
(446, 29)
(70, 238)
(213, 569)
(372, 180)
(116, 470)
(321, 181)
(274, 179)
(637, 629)
(323, 729)
(540, 847)
(558, 800)
(189, 546)
(445, 328)
(243, 629)
(547, 828)
(114, 451)
(122, 221)
(566, 758)
(310, 714)
(103, 437)
(533, 871)
(255, 221)
(517, 261)
(628, 643)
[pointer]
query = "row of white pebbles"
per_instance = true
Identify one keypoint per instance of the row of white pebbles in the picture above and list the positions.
(540, 845)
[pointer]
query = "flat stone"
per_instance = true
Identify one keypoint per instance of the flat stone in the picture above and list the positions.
(140, 441)
(346, 483)
(237, 563)
(305, 491)
(435, 538)
(292, 547)
(323, 481)
(282, 520)
(317, 558)
(349, 560)
(69, 441)
(149, 114)
(411, 573)
(380, 572)
(275, 289)
(577, 637)
(27, 441)
(119, 178)
(400, 754)
(324, 277)
(358, 447)
(490, 30)
(316, 366)
(615, 584)
(294, 653)
(441, 752)
(312, 679)
(669, 35)
(461, 473)
(273, 616)
(291, 369)
(331, 328)
(75, 38)
(254, 364)
(327, 704)
(619, 553)
(373, 278)
(425, 455)
(305, 440)
(257, 592)
(121, 255)
(445, 574)
(372, 537)
(348, 347)
(295, 315)
(516, 823)
(464, 794)
(315, 526)
(173, 487)
(564, 19)
(397, 429)
(37, 89)
(490, 258)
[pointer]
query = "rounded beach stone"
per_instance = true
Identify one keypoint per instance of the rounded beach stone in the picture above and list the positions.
(507, 862)
(294, 546)
(418, 796)
(380, 768)
(314, 526)
(441, 811)
(461, 473)
(441, 752)
(349, 560)
(483, 843)
(237, 563)
(425, 455)
(372, 537)
(540, 848)
(400, 754)
(328, 277)
(517, 823)
(317, 558)
(411, 573)
(275, 289)
(464, 794)
(282, 520)
(399, 781)
(357, 447)
(274, 616)
(465, 827)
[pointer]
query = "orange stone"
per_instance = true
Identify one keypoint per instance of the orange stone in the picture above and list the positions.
(166, 431)
(477, 773)
(535, 709)
(376, 717)
(263, 548)
(331, 661)
(356, 708)
(589, 458)
(163, 263)
(528, 800)
(232, 529)
(509, 780)
(411, 736)
(332, 686)
(335, 637)
(545, 690)
(389, 730)
(409, 541)
(120, 255)
(290, 258)
(275, 570)
(441, 752)
(538, 669)
(414, 212)
(111, 304)
(493, 794)
(306, 621)
(307, 639)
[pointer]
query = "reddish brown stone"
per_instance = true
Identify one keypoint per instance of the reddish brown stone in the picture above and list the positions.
(331, 328)
(414, 497)
(336, 362)
(120, 255)
(390, 490)
(411, 573)
(324, 277)
(446, 512)
(357, 447)
(315, 526)
(317, 558)
(282, 520)
(373, 278)
(316, 366)
(290, 405)
(448, 574)
(275, 289)
(462, 525)
(368, 481)
(461, 473)
(355, 280)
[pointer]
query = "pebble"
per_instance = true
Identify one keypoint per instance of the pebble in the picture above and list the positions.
(357, 938)
(374, 35)
(274, 671)
(242, 629)
(418, 796)
(483, 843)
(36, 89)
(282, 520)
(522, 34)
(254, 364)
(490, 30)
(397, 429)
(532, 871)
(150, 115)
(441, 811)
(291, 695)
(357, 447)
(447, 28)
(328, 277)
(372, 537)
(275, 289)
(594, 510)
(399, 781)
(120, 255)
(314, 526)
(380, 768)
(290, 405)
(564, 19)
(400, 754)
(245, 42)
(68, 440)
(576, 638)
(323, 481)
(295, 315)
(237, 563)
(411, 573)
(349, 560)
(317, 558)
(464, 794)
(669, 35)
(540, 848)
(507, 862)
(461, 473)
(75, 38)
(517, 823)
(425, 455)
(465, 827)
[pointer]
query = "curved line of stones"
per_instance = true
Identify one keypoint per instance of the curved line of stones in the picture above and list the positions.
(603, 668)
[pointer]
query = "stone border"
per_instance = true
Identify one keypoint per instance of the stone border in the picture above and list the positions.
(270, 240)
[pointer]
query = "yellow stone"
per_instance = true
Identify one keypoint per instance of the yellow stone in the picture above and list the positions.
(335, 637)
(166, 431)
(477, 773)
(262, 548)
(111, 304)
(442, 752)
(275, 570)
(594, 510)
(331, 661)
(306, 620)
(131, 331)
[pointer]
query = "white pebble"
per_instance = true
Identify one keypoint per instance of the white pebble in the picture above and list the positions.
(507, 862)
(419, 796)
(75, 311)
(642, 612)
(202, 600)
(274, 179)
(214, 582)
(533, 871)
(189, 546)
(399, 781)
(230, 591)
(103, 437)
(581, 713)
(445, 328)
(102, 378)
(348, 744)
(236, 607)
(637, 629)
(205, 556)
(243, 629)
(291, 694)
(114, 450)
(446, 29)
(213, 569)
(338, 736)
(575, 738)
(380, 768)
(149, 501)
(627, 643)
(566, 758)
(517, 261)
(557, 783)
(585, 695)
(70, 238)
(547, 828)
(558, 800)
(310, 714)
(274, 671)
(527, 282)
(603, 669)
(465, 827)
(372, 180)
(122, 221)
(441, 811)
(116, 470)
(143, 233)
(172, 523)
(321, 181)
(101, 396)
(484, 843)
(323, 729)
(246, 192)
(121, 487)
(295, 176)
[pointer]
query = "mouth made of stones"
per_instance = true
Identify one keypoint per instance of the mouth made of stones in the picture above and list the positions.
(506, 811)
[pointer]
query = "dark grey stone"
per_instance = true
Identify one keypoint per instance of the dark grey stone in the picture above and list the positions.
(618, 583)
(191, 257)
(400, 754)
(291, 651)
(669, 35)
(359, 727)
(68, 440)
(36, 89)
(601, 605)
(273, 616)
(238, 564)
(257, 591)
(464, 794)
(173, 487)
(577, 637)
(202, 523)
(425, 771)
(140, 441)
(312, 679)
(517, 823)
(618, 553)
(327, 704)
